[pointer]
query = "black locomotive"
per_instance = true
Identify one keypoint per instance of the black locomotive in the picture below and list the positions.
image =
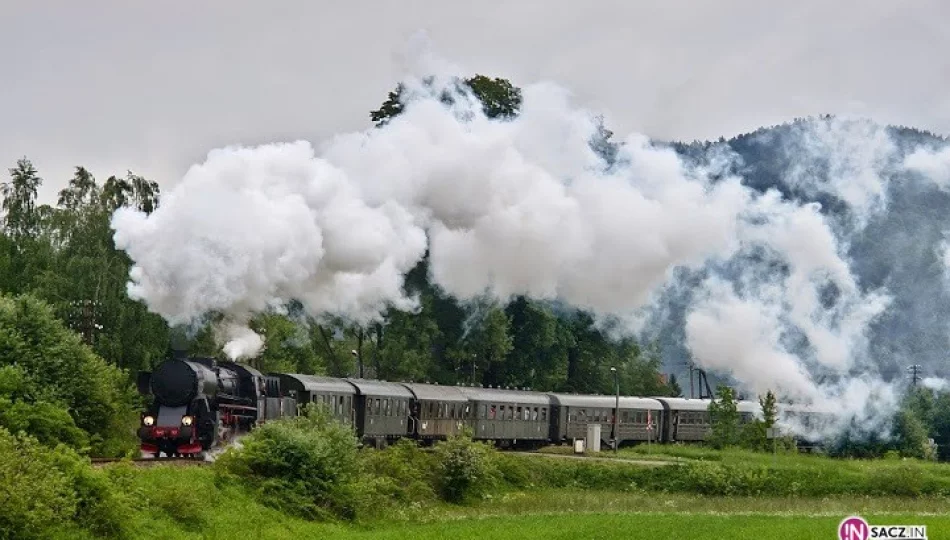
(200, 402)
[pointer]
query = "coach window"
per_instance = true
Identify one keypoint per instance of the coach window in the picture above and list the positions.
(534, 414)
(377, 408)
(518, 416)
(544, 413)
(491, 413)
(501, 412)
(511, 412)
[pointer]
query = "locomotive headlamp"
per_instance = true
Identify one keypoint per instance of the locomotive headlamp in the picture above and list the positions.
(148, 420)
(186, 420)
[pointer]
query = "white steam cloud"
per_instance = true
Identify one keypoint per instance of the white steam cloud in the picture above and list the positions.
(522, 206)
(935, 383)
(932, 164)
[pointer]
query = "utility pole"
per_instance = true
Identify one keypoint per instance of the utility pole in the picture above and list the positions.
(616, 408)
(915, 374)
(689, 364)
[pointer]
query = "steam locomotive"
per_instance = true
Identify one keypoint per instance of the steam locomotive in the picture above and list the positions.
(199, 403)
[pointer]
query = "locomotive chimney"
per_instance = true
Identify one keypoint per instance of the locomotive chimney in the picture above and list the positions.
(178, 345)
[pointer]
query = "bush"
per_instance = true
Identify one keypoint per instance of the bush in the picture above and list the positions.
(33, 493)
(466, 469)
(401, 474)
(44, 492)
(306, 465)
(47, 365)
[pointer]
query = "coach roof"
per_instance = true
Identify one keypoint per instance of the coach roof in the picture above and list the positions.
(606, 402)
(315, 384)
(368, 387)
(498, 395)
(435, 392)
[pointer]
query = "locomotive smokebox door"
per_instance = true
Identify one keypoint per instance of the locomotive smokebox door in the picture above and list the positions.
(145, 382)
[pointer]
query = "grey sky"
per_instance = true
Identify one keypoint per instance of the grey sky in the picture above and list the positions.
(152, 86)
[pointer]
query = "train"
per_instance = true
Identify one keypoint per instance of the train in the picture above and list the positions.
(199, 403)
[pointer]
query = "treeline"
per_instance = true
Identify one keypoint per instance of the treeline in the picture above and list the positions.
(920, 429)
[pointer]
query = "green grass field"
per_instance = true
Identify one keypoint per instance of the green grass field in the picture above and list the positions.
(629, 526)
(187, 503)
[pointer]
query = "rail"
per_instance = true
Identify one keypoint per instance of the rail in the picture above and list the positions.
(141, 461)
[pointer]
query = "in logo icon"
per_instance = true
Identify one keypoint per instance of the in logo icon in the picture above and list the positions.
(854, 528)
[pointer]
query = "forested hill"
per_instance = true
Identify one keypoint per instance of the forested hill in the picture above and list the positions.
(894, 242)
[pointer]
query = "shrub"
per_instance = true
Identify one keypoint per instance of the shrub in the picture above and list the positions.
(306, 465)
(33, 494)
(101, 508)
(51, 365)
(46, 491)
(401, 474)
(466, 469)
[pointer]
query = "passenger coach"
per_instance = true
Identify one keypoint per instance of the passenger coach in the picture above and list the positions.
(509, 417)
(640, 418)
(438, 412)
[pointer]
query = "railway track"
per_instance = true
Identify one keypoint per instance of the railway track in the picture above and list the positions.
(148, 462)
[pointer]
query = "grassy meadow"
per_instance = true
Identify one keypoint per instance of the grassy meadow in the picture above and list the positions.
(193, 503)
(307, 478)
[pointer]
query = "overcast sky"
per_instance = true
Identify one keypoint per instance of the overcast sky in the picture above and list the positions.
(152, 86)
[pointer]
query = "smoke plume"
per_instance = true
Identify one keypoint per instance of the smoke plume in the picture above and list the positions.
(526, 207)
